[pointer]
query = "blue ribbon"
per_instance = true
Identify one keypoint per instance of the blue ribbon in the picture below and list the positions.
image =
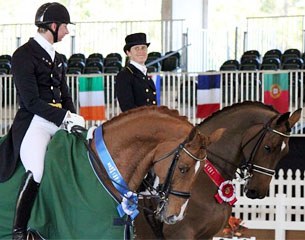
(115, 175)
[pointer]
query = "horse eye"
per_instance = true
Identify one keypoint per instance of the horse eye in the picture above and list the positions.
(183, 169)
(267, 148)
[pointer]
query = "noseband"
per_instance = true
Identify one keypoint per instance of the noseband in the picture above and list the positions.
(248, 167)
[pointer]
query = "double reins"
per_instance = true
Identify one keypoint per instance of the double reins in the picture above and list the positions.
(165, 189)
(249, 166)
(77, 131)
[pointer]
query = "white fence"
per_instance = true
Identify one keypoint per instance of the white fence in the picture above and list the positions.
(178, 91)
(283, 209)
(208, 48)
(86, 37)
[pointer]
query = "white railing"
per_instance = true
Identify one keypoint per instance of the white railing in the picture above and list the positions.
(86, 37)
(208, 48)
(178, 91)
(283, 209)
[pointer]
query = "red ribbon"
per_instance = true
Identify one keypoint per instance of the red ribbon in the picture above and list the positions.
(226, 189)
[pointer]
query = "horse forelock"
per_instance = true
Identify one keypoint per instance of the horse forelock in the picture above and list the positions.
(237, 107)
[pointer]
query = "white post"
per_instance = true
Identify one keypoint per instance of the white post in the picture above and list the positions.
(280, 217)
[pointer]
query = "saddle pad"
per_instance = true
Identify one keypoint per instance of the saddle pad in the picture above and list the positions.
(71, 204)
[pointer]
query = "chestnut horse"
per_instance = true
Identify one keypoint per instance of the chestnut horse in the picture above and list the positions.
(70, 205)
(255, 140)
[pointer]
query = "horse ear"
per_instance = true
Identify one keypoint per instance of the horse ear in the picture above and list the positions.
(294, 117)
(214, 136)
(192, 134)
(291, 120)
(283, 118)
(217, 134)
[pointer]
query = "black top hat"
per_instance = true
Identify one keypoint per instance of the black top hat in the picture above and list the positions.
(135, 39)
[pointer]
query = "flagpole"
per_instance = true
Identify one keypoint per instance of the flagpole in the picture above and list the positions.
(166, 56)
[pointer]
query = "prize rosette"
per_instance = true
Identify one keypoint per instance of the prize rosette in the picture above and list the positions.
(226, 193)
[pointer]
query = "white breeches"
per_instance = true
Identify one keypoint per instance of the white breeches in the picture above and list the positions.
(34, 145)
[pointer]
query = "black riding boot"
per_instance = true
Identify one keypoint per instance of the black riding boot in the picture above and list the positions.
(25, 200)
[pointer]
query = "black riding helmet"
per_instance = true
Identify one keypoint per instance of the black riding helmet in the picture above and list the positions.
(52, 13)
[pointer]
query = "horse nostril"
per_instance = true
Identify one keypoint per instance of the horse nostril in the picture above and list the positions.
(253, 194)
(171, 219)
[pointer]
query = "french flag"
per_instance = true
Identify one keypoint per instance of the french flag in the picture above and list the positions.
(208, 95)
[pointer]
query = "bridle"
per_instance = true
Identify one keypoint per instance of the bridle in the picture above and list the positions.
(248, 167)
(165, 188)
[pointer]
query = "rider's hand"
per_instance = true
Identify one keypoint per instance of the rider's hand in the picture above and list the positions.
(73, 119)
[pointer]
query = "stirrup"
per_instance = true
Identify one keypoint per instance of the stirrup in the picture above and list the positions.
(33, 235)
(19, 234)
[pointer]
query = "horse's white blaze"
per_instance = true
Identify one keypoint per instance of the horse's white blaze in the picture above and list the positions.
(197, 166)
(283, 146)
(182, 210)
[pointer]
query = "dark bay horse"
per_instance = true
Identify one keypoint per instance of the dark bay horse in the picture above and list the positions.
(255, 140)
(75, 199)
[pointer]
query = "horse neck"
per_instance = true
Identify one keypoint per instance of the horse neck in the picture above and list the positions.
(132, 145)
(226, 154)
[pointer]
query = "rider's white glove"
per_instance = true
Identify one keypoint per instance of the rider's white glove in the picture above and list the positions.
(73, 119)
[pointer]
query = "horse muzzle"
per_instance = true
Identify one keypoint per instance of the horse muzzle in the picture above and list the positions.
(251, 191)
(253, 194)
(164, 214)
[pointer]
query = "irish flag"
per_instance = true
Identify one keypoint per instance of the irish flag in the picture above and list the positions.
(208, 95)
(276, 91)
(91, 97)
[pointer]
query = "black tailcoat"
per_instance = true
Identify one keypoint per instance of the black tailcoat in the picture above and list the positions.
(39, 81)
(134, 89)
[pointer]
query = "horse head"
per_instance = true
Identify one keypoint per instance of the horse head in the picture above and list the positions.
(177, 171)
(265, 145)
(256, 138)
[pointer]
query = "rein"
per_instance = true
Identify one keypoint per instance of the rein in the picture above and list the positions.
(165, 188)
(248, 167)
(76, 130)
(226, 189)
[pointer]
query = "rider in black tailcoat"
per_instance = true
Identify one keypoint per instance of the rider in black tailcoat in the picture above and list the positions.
(133, 87)
(51, 90)
(45, 107)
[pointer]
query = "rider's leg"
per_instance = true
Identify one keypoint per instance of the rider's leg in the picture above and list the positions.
(32, 154)
(26, 197)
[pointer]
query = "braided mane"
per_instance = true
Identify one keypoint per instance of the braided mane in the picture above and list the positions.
(150, 110)
(237, 106)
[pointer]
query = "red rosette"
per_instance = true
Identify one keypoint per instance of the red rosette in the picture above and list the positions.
(226, 193)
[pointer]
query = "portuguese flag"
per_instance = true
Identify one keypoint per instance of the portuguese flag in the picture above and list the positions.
(91, 97)
(276, 91)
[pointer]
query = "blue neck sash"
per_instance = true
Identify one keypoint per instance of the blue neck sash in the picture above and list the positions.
(132, 200)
